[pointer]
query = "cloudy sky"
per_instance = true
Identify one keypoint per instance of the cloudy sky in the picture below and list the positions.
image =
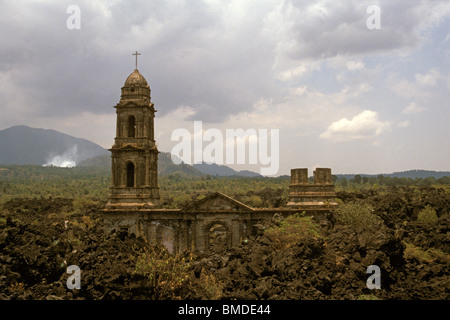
(343, 95)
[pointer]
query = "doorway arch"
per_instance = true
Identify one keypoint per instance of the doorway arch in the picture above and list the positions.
(217, 236)
(167, 236)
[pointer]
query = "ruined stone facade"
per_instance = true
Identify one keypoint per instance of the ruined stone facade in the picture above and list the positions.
(214, 223)
(304, 195)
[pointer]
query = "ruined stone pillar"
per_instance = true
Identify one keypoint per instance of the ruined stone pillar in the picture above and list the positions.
(322, 176)
(235, 233)
(299, 176)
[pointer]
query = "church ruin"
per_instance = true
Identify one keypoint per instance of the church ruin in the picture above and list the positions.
(134, 167)
(213, 223)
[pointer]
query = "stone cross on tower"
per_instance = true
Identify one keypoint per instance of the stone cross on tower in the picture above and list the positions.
(136, 54)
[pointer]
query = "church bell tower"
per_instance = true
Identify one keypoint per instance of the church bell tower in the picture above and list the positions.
(134, 155)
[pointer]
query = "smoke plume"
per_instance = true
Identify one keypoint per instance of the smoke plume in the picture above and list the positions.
(67, 159)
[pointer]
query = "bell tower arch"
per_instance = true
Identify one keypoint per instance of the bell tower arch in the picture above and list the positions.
(134, 155)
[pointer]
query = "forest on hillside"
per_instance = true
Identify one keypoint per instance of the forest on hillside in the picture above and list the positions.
(178, 188)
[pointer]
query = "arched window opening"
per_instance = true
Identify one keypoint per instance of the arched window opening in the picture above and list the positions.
(130, 174)
(217, 237)
(131, 126)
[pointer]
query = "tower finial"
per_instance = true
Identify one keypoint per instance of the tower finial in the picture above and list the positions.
(136, 54)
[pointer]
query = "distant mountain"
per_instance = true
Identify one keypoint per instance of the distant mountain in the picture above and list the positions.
(223, 171)
(166, 166)
(25, 145)
(98, 161)
(403, 174)
(420, 174)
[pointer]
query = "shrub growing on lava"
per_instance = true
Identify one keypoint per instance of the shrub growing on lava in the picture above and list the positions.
(427, 215)
(358, 215)
(291, 230)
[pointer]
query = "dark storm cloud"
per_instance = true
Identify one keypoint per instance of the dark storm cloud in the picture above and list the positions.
(57, 70)
(295, 65)
(216, 57)
(186, 56)
(325, 29)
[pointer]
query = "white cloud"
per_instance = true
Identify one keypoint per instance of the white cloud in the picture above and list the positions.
(404, 88)
(352, 65)
(421, 87)
(362, 126)
(403, 124)
(297, 71)
(413, 108)
(428, 79)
